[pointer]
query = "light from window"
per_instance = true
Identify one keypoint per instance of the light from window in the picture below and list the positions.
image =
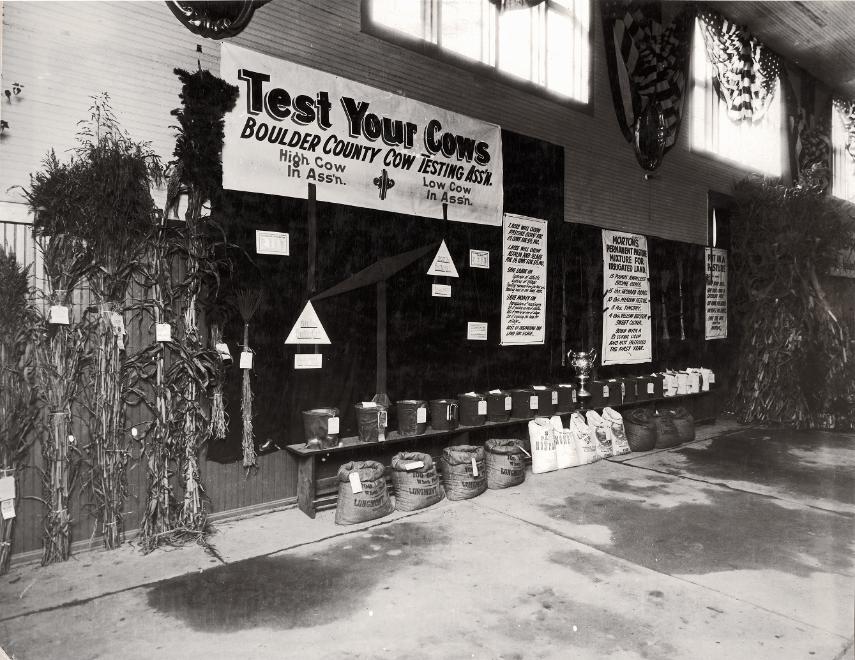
(843, 177)
(547, 45)
(754, 145)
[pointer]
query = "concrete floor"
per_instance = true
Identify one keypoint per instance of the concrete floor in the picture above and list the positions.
(739, 545)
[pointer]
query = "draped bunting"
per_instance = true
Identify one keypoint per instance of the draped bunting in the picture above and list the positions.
(647, 63)
(809, 142)
(745, 69)
(847, 112)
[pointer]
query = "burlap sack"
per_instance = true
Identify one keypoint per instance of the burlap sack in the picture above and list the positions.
(458, 476)
(505, 463)
(418, 487)
(640, 429)
(373, 502)
(667, 434)
(683, 422)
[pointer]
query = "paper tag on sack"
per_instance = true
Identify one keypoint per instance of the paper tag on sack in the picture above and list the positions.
(538, 387)
(355, 483)
(246, 360)
(7, 509)
(573, 394)
(508, 403)
(58, 315)
(7, 488)
(369, 404)
(605, 391)
(482, 407)
(495, 391)
(332, 426)
(415, 465)
(712, 378)
(532, 402)
(474, 467)
(555, 398)
(381, 419)
(651, 388)
(162, 332)
(421, 415)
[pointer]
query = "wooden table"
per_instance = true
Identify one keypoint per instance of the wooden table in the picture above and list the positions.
(317, 480)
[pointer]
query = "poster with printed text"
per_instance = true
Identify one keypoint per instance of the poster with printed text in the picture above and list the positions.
(715, 268)
(523, 281)
(293, 126)
(626, 299)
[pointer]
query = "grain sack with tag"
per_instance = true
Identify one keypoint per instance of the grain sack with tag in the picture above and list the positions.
(565, 445)
(415, 481)
(597, 429)
(542, 438)
(586, 446)
(463, 470)
(505, 464)
(362, 493)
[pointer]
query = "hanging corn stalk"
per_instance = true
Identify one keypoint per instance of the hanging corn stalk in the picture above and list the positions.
(248, 302)
(219, 423)
(101, 199)
(19, 411)
(792, 362)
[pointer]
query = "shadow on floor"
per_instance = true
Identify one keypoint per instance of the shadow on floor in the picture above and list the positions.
(287, 591)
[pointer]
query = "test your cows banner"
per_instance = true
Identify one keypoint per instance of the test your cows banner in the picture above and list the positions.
(360, 146)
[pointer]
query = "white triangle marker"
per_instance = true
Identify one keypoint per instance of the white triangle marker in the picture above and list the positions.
(308, 328)
(442, 263)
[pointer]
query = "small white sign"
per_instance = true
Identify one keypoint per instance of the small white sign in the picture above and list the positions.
(308, 329)
(415, 465)
(58, 315)
(440, 290)
(271, 242)
(332, 426)
(474, 467)
(532, 402)
(308, 360)
(508, 403)
(355, 483)
(246, 360)
(482, 407)
(605, 391)
(479, 259)
(7, 488)
(573, 394)
(369, 404)
(476, 330)
(382, 419)
(443, 264)
(712, 378)
(7, 509)
(162, 332)
(651, 388)
(555, 397)
(421, 415)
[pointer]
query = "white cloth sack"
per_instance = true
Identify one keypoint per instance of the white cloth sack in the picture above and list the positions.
(597, 430)
(542, 438)
(586, 447)
(615, 431)
(565, 446)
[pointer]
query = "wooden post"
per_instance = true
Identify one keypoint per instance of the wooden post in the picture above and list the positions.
(381, 337)
(312, 236)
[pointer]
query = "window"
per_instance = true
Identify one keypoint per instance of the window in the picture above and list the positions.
(843, 164)
(547, 45)
(754, 145)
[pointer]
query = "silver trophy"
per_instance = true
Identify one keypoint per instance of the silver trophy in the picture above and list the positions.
(583, 363)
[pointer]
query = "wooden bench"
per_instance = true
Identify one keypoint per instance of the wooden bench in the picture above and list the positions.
(317, 480)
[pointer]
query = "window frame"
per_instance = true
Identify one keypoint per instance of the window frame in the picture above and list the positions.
(490, 72)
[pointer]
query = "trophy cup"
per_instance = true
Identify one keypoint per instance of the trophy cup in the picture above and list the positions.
(583, 363)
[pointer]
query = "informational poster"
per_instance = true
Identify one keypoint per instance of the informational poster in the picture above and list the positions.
(293, 126)
(715, 267)
(626, 299)
(523, 281)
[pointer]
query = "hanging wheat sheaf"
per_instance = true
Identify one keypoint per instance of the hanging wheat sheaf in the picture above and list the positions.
(248, 302)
